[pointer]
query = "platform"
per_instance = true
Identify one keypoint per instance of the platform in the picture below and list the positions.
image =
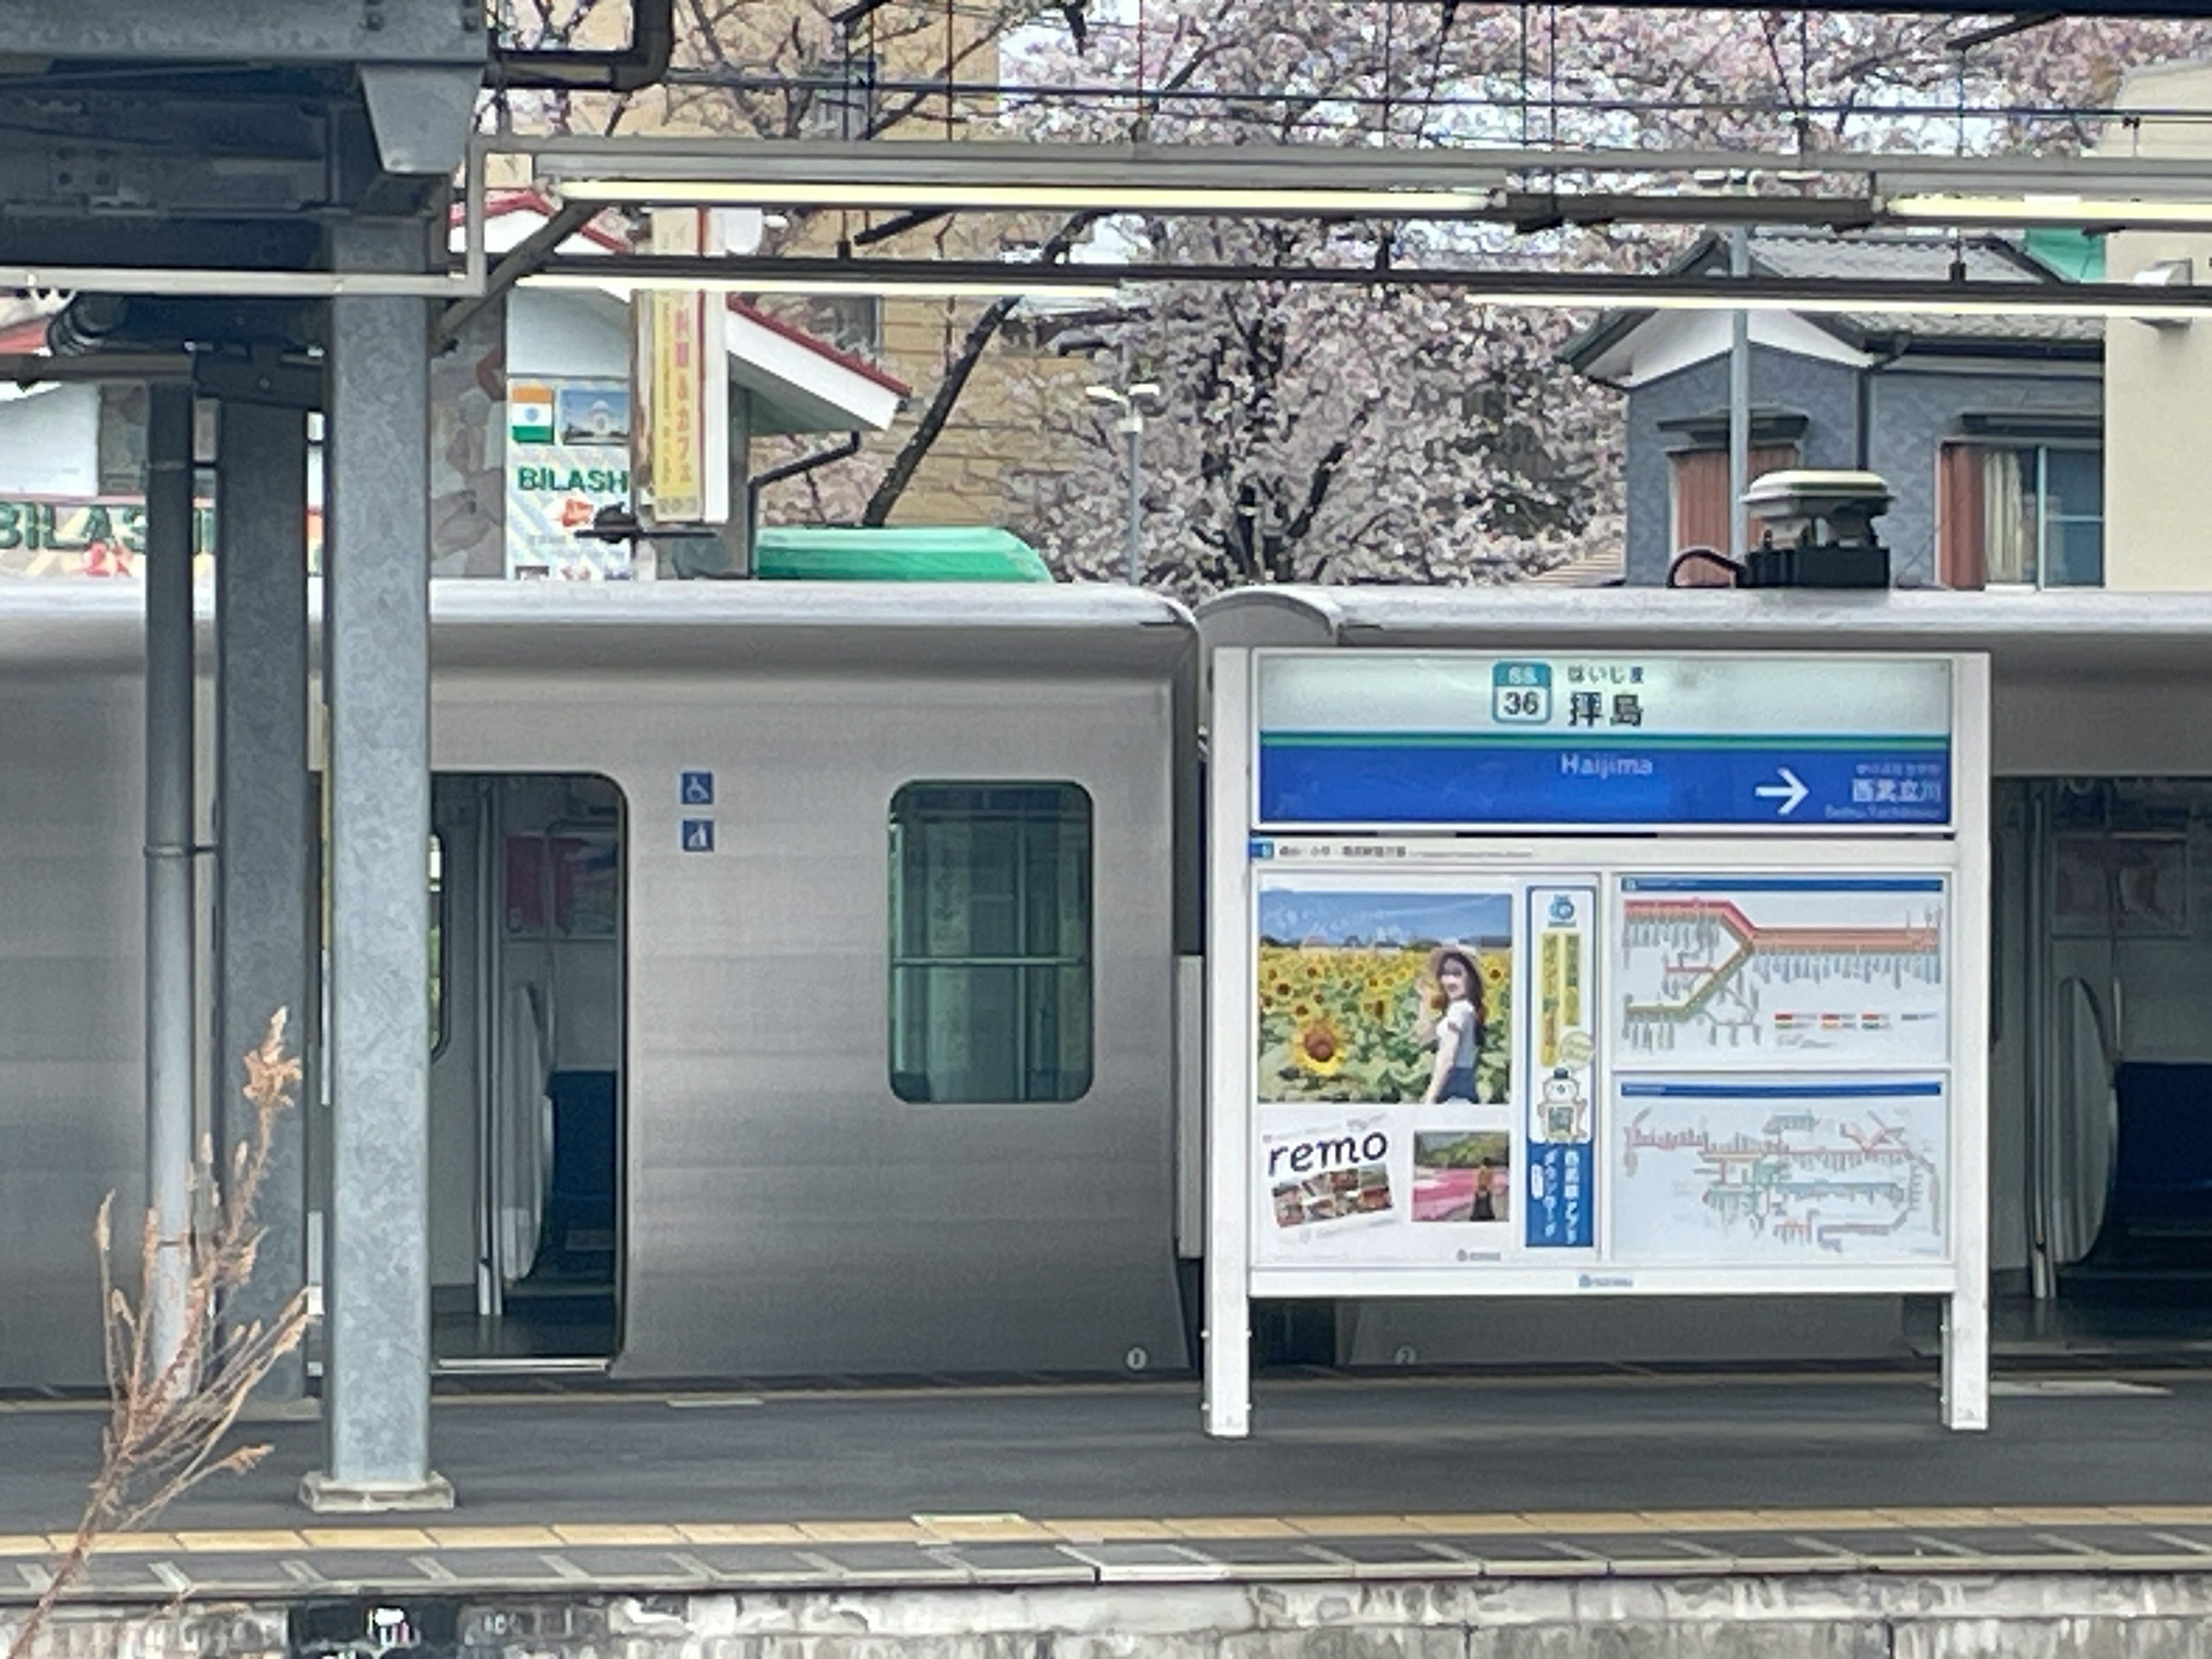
(1075, 1484)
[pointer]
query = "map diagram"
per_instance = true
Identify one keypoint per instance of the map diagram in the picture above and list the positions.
(1786, 1171)
(1842, 973)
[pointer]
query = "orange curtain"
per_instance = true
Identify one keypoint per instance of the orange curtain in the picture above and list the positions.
(1701, 504)
(1961, 542)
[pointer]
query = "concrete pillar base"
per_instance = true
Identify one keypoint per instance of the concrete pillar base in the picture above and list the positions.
(326, 1496)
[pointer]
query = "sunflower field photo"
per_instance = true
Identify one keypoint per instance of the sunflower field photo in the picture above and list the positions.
(1343, 979)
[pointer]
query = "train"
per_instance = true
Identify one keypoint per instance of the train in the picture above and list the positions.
(893, 1063)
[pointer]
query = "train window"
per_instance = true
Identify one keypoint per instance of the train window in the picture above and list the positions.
(990, 943)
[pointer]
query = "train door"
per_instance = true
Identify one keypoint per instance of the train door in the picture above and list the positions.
(526, 1078)
(2111, 1052)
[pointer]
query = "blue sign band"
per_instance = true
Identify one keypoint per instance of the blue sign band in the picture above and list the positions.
(1479, 780)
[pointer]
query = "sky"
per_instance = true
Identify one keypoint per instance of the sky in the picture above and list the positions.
(1385, 918)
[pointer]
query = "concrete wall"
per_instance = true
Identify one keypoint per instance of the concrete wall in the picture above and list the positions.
(1906, 1615)
(2158, 381)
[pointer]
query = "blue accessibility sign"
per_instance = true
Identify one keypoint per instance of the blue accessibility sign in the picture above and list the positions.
(695, 788)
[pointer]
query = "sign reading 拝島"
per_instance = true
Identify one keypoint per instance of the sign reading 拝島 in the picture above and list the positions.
(1354, 739)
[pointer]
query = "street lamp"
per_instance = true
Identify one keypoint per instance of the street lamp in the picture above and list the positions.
(1131, 425)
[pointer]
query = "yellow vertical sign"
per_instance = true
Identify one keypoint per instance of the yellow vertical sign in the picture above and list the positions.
(680, 457)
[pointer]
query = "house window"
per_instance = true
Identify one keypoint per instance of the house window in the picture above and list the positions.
(1701, 502)
(2022, 515)
(990, 914)
(836, 98)
(853, 323)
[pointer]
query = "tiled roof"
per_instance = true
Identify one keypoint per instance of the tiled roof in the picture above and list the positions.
(1906, 256)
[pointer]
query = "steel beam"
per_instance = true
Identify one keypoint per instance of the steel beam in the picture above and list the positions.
(171, 966)
(1585, 291)
(263, 823)
(940, 164)
(243, 32)
(377, 1377)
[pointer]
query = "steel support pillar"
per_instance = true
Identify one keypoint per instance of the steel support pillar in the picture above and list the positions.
(262, 827)
(377, 1294)
(170, 963)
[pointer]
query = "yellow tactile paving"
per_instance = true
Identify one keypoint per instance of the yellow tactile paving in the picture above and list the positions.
(1233, 1526)
(1110, 1532)
(121, 1543)
(1708, 1520)
(622, 1535)
(1959, 1515)
(1818, 1521)
(241, 1542)
(1353, 1526)
(24, 1543)
(2165, 1515)
(1011, 1527)
(1569, 1523)
(368, 1538)
(984, 1529)
(758, 1532)
(862, 1532)
(1492, 1525)
(2060, 1516)
(494, 1538)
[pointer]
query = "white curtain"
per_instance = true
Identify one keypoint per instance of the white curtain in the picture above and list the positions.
(2009, 518)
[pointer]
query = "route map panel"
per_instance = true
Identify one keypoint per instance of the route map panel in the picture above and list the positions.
(1781, 1168)
(1732, 971)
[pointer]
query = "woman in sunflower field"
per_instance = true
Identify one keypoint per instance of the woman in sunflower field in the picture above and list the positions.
(1451, 1018)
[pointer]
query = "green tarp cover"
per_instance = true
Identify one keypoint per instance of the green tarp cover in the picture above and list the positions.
(793, 553)
(2074, 255)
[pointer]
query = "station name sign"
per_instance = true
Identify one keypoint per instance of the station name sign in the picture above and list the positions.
(1389, 740)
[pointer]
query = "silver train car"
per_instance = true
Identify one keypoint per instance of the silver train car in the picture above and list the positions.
(873, 1072)
(816, 971)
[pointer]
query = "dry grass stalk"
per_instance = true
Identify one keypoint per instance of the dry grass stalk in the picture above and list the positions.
(168, 1420)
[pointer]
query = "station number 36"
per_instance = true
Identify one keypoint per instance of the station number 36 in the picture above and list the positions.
(1521, 693)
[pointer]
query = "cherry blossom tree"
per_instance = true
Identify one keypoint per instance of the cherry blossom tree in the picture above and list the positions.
(1347, 432)
(1351, 433)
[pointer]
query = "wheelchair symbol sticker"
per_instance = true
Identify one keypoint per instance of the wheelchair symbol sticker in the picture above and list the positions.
(697, 788)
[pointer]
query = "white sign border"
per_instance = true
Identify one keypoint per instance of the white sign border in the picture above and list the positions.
(1962, 849)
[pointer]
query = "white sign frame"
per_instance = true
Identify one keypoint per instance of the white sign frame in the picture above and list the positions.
(1958, 853)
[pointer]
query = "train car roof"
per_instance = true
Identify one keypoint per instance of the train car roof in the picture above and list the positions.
(832, 626)
(2079, 631)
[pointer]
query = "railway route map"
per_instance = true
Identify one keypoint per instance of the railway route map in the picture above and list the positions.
(1831, 971)
(1778, 1170)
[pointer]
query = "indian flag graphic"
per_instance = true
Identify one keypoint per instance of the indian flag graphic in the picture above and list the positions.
(529, 414)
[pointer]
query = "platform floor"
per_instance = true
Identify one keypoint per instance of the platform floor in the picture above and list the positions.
(1074, 1483)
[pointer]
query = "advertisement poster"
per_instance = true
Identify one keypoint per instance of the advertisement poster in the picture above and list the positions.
(1386, 1075)
(1564, 1007)
(568, 457)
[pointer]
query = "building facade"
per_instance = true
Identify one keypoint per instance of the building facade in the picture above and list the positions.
(1989, 430)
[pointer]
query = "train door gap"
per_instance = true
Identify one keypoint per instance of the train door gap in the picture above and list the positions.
(528, 1076)
(2102, 1068)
